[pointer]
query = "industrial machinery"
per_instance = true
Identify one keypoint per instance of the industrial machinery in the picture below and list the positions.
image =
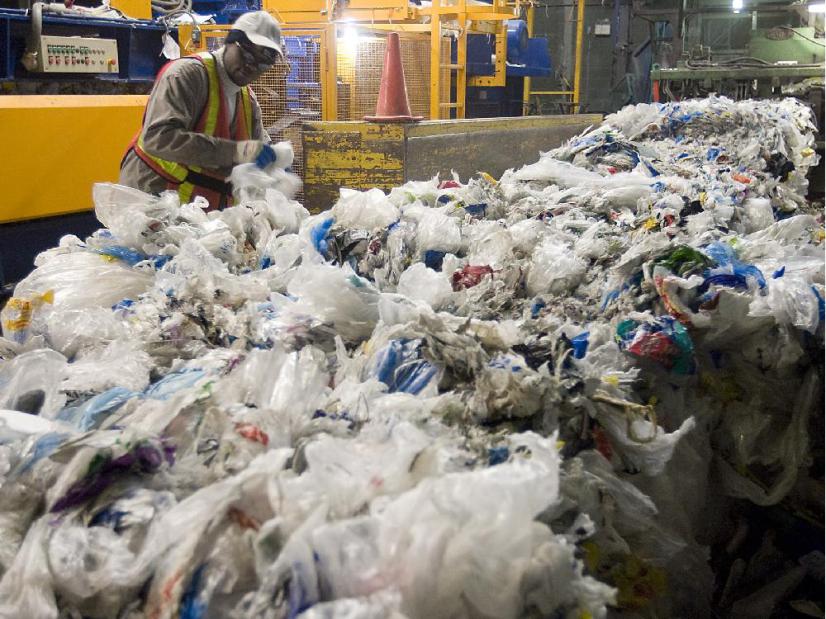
(525, 57)
(775, 58)
(451, 49)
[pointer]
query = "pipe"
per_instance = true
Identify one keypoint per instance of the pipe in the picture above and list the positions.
(29, 59)
(526, 81)
(580, 27)
(98, 12)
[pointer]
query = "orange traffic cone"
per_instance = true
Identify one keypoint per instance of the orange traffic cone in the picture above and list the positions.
(392, 106)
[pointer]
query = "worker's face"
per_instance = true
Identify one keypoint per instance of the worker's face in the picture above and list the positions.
(246, 62)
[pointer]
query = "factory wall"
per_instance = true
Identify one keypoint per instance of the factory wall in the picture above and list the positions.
(604, 85)
(617, 53)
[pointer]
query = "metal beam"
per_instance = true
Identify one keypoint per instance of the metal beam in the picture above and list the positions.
(755, 73)
(435, 62)
(580, 28)
(526, 82)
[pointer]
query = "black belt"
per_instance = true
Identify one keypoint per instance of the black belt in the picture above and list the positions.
(208, 182)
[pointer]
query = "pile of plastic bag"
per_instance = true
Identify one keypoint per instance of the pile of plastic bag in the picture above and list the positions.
(539, 396)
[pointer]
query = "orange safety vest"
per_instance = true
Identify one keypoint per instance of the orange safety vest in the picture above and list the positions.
(192, 181)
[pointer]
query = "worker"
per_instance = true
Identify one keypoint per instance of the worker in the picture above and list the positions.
(202, 118)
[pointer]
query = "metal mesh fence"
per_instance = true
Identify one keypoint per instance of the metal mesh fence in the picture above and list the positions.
(293, 94)
(360, 58)
(447, 93)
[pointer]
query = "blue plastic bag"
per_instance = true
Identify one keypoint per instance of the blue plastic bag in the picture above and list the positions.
(400, 366)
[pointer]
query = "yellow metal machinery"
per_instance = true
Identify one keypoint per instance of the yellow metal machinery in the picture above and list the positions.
(137, 9)
(362, 155)
(352, 37)
(55, 147)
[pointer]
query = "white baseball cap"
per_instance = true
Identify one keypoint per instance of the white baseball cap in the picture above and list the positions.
(261, 29)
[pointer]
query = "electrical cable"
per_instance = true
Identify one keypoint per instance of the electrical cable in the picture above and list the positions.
(803, 36)
(741, 62)
(168, 7)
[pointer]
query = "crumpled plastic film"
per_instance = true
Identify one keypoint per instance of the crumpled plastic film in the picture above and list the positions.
(539, 395)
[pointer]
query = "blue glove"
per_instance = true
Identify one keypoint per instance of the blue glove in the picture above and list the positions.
(266, 157)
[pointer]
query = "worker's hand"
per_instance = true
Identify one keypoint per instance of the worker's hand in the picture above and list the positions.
(249, 151)
(264, 155)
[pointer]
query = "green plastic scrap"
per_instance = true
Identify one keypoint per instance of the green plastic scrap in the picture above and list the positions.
(685, 260)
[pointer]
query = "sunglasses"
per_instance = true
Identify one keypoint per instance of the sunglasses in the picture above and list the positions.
(262, 58)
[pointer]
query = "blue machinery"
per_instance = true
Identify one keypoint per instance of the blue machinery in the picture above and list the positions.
(138, 46)
(526, 57)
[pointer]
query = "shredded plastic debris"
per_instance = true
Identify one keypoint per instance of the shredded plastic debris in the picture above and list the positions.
(526, 398)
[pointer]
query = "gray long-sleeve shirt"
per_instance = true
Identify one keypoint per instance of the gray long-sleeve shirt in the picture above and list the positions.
(175, 105)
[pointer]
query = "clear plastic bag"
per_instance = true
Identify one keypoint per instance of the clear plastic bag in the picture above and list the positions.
(82, 279)
(273, 380)
(561, 173)
(491, 245)
(420, 282)
(31, 383)
(436, 583)
(380, 605)
(71, 330)
(86, 561)
(758, 214)
(438, 231)
(249, 182)
(554, 269)
(643, 443)
(26, 587)
(365, 210)
(121, 363)
(283, 215)
(790, 301)
(15, 425)
(787, 450)
(130, 214)
(351, 473)
(339, 296)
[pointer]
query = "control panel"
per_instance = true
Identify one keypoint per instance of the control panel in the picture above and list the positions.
(77, 55)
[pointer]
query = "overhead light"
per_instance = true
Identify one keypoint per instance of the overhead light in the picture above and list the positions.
(736, 5)
(349, 40)
(817, 8)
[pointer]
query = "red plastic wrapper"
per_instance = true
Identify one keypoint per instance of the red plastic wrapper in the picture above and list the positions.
(469, 276)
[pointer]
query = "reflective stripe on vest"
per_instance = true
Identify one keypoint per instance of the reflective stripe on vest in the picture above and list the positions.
(207, 124)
